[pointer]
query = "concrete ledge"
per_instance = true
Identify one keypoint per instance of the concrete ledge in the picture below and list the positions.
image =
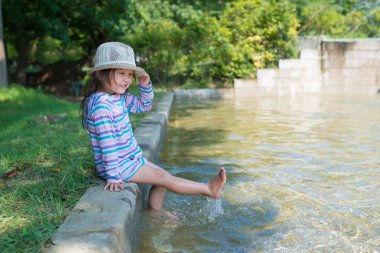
(201, 94)
(107, 222)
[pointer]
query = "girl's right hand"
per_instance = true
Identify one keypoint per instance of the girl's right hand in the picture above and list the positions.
(114, 187)
(144, 79)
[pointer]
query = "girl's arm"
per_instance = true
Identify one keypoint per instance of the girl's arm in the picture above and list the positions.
(104, 133)
(143, 103)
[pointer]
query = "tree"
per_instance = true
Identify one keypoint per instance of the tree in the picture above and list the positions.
(339, 18)
(261, 32)
(3, 58)
(58, 26)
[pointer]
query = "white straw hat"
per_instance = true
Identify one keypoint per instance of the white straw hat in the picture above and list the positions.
(115, 55)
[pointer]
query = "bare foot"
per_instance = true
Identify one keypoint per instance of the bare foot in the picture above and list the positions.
(216, 185)
(163, 216)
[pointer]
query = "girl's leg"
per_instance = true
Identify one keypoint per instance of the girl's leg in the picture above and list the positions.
(157, 197)
(152, 174)
(156, 193)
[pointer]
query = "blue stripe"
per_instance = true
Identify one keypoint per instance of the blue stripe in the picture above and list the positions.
(137, 169)
(99, 123)
(102, 137)
(106, 152)
(125, 169)
(98, 107)
(99, 151)
(146, 91)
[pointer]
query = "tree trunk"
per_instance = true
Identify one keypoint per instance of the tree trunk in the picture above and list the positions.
(22, 46)
(3, 57)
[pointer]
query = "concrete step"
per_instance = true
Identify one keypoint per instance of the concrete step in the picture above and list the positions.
(300, 64)
(245, 83)
(266, 82)
(287, 73)
(310, 54)
(291, 86)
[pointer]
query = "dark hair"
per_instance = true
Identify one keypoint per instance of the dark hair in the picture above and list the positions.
(97, 80)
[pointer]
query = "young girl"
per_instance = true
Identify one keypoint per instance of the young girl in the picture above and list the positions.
(105, 110)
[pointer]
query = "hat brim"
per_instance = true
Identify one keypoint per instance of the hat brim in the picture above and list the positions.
(138, 71)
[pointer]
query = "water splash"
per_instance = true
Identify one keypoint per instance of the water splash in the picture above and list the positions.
(213, 209)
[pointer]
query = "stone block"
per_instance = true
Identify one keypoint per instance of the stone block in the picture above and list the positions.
(350, 81)
(267, 73)
(350, 89)
(287, 82)
(148, 137)
(245, 83)
(309, 42)
(266, 82)
(350, 63)
(202, 94)
(164, 106)
(310, 54)
(351, 44)
(362, 54)
(299, 64)
(351, 72)
(299, 73)
(97, 224)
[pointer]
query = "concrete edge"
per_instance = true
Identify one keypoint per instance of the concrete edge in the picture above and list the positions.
(205, 94)
(105, 221)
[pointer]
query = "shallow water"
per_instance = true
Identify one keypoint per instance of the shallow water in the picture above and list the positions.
(303, 176)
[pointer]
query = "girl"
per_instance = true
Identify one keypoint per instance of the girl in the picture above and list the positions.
(105, 110)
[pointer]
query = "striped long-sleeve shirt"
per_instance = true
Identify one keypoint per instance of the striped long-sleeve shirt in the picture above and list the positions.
(116, 152)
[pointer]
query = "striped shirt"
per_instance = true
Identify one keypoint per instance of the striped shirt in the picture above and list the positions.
(117, 154)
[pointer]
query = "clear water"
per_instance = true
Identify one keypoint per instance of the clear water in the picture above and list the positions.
(303, 176)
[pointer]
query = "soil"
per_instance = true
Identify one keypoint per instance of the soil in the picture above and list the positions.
(57, 79)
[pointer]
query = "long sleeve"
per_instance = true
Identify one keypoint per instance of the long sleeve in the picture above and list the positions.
(107, 146)
(143, 103)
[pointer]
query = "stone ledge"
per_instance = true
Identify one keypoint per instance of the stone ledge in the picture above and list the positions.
(202, 94)
(105, 222)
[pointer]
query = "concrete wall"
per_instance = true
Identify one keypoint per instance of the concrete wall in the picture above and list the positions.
(335, 66)
(105, 221)
(350, 62)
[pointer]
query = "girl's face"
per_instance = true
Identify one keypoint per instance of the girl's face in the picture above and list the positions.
(120, 80)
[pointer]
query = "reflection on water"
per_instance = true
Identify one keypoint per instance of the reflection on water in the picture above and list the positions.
(303, 176)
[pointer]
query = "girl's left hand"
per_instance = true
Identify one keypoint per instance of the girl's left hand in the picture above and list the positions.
(114, 187)
(144, 79)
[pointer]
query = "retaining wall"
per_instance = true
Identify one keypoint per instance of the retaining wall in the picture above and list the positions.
(107, 222)
(325, 65)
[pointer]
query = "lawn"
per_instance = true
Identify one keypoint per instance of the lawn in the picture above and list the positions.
(45, 167)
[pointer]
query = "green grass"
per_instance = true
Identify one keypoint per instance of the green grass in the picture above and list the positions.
(44, 167)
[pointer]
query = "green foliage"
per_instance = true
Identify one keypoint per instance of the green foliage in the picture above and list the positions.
(260, 33)
(183, 42)
(191, 42)
(340, 19)
(54, 167)
(187, 45)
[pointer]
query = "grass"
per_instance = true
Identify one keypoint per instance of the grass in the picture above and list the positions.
(44, 167)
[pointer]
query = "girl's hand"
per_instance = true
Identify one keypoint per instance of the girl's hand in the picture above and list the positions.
(114, 187)
(144, 79)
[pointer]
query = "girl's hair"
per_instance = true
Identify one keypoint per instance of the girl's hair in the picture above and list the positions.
(97, 80)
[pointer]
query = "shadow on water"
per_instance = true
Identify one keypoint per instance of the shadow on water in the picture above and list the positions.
(183, 142)
(186, 108)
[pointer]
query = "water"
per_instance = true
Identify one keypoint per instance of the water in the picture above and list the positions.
(303, 176)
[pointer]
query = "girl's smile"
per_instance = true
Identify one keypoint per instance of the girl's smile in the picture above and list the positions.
(119, 81)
